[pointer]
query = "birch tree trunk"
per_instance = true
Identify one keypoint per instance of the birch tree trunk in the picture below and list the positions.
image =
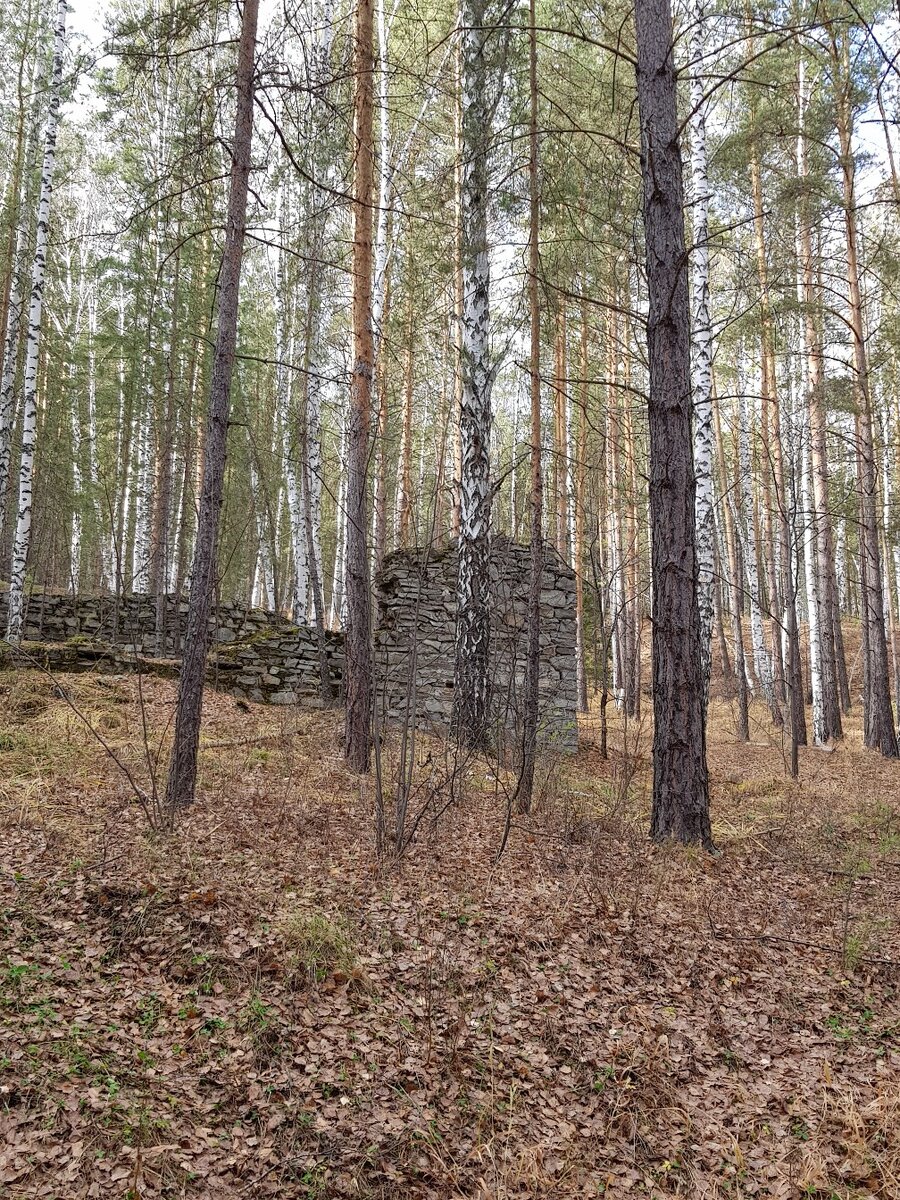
(182, 780)
(735, 596)
(701, 342)
(471, 701)
(762, 664)
(680, 779)
(22, 540)
(771, 448)
(525, 786)
(284, 353)
(819, 517)
(579, 501)
(77, 490)
(561, 438)
(403, 508)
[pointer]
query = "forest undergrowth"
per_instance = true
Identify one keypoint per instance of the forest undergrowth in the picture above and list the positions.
(255, 1006)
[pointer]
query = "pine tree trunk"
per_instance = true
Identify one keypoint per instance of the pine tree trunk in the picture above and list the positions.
(181, 783)
(357, 644)
(878, 717)
(680, 780)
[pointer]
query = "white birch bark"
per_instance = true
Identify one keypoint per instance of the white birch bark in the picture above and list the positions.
(284, 357)
(142, 550)
(77, 494)
(810, 545)
(118, 515)
(32, 348)
(840, 565)
(15, 310)
(701, 346)
(338, 609)
(313, 500)
(472, 590)
(762, 665)
(264, 582)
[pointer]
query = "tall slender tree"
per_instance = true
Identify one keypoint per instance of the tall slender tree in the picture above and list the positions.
(680, 779)
(22, 542)
(702, 345)
(358, 649)
(182, 779)
(473, 630)
(533, 661)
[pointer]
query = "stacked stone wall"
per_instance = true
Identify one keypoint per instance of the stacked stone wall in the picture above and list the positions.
(415, 641)
(255, 655)
(259, 656)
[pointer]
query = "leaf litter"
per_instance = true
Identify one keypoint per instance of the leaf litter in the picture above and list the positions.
(255, 1007)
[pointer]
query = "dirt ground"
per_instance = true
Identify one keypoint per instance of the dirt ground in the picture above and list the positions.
(255, 1006)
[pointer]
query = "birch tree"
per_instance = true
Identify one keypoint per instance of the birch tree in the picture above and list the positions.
(470, 700)
(701, 345)
(22, 539)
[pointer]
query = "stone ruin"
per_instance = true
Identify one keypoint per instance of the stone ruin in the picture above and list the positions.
(255, 655)
(261, 657)
(415, 641)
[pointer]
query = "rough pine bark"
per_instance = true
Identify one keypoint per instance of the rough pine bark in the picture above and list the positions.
(470, 703)
(182, 778)
(878, 717)
(680, 779)
(22, 541)
(357, 645)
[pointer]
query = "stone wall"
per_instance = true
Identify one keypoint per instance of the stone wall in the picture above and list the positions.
(416, 595)
(256, 655)
(134, 622)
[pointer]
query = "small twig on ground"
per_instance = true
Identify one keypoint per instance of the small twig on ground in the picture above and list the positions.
(722, 936)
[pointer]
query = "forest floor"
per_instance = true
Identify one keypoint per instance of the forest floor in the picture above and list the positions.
(253, 1006)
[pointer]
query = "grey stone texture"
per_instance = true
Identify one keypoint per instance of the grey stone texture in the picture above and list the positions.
(254, 655)
(414, 642)
(259, 656)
